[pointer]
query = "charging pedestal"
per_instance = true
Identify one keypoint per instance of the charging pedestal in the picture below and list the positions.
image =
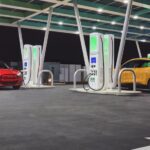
(108, 51)
(96, 61)
(36, 54)
(101, 61)
(27, 59)
(31, 66)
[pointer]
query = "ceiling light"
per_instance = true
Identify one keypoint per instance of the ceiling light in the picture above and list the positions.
(77, 32)
(125, 1)
(94, 28)
(100, 10)
(143, 40)
(60, 23)
(135, 17)
(141, 27)
(44, 28)
(113, 22)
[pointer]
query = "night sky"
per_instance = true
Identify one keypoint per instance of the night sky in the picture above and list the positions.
(63, 48)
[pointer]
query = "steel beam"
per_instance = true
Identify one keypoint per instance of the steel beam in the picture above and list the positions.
(19, 15)
(122, 43)
(45, 39)
(57, 30)
(40, 11)
(138, 4)
(84, 50)
(21, 7)
(72, 23)
(108, 9)
(138, 48)
(20, 40)
(61, 3)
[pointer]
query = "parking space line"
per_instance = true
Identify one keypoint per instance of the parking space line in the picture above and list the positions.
(143, 148)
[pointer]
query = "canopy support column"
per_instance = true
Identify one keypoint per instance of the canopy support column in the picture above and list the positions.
(84, 50)
(46, 39)
(122, 43)
(20, 40)
(139, 50)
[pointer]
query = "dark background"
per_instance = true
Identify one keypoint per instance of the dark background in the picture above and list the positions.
(63, 48)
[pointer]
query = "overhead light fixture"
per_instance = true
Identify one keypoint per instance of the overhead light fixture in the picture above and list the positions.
(125, 1)
(94, 27)
(77, 32)
(141, 27)
(100, 10)
(113, 22)
(44, 28)
(60, 23)
(135, 17)
(143, 40)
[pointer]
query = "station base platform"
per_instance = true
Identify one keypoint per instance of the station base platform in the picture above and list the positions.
(38, 87)
(108, 92)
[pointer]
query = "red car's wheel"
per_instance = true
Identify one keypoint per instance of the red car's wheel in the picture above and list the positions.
(16, 87)
(148, 85)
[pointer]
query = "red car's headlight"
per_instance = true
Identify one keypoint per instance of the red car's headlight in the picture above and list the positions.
(19, 74)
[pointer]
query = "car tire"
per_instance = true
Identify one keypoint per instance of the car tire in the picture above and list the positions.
(16, 87)
(148, 85)
(130, 87)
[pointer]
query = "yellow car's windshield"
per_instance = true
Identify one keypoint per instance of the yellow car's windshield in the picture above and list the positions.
(146, 64)
(137, 64)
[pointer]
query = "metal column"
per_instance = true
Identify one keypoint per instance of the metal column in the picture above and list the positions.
(122, 43)
(45, 39)
(138, 48)
(84, 50)
(20, 40)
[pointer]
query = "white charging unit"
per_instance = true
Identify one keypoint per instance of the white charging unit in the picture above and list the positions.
(108, 51)
(36, 54)
(96, 61)
(27, 59)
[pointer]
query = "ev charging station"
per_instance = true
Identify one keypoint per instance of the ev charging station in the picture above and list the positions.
(31, 66)
(101, 61)
(101, 68)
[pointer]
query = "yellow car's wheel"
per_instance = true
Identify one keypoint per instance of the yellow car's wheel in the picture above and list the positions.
(148, 85)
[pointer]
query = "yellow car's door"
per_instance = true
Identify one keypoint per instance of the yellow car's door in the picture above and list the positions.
(141, 67)
(127, 77)
(139, 74)
(144, 73)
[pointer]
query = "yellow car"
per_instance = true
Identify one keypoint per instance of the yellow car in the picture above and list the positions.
(141, 67)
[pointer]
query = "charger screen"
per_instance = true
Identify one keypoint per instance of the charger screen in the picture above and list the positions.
(93, 60)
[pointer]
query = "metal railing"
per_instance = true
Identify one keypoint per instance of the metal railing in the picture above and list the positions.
(40, 77)
(75, 74)
(119, 78)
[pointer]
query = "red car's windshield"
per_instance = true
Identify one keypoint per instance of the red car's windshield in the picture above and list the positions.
(3, 66)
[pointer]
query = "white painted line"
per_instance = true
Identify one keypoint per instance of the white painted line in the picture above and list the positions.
(147, 138)
(143, 148)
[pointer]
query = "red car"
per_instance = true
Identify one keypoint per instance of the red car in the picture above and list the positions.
(10, 77)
